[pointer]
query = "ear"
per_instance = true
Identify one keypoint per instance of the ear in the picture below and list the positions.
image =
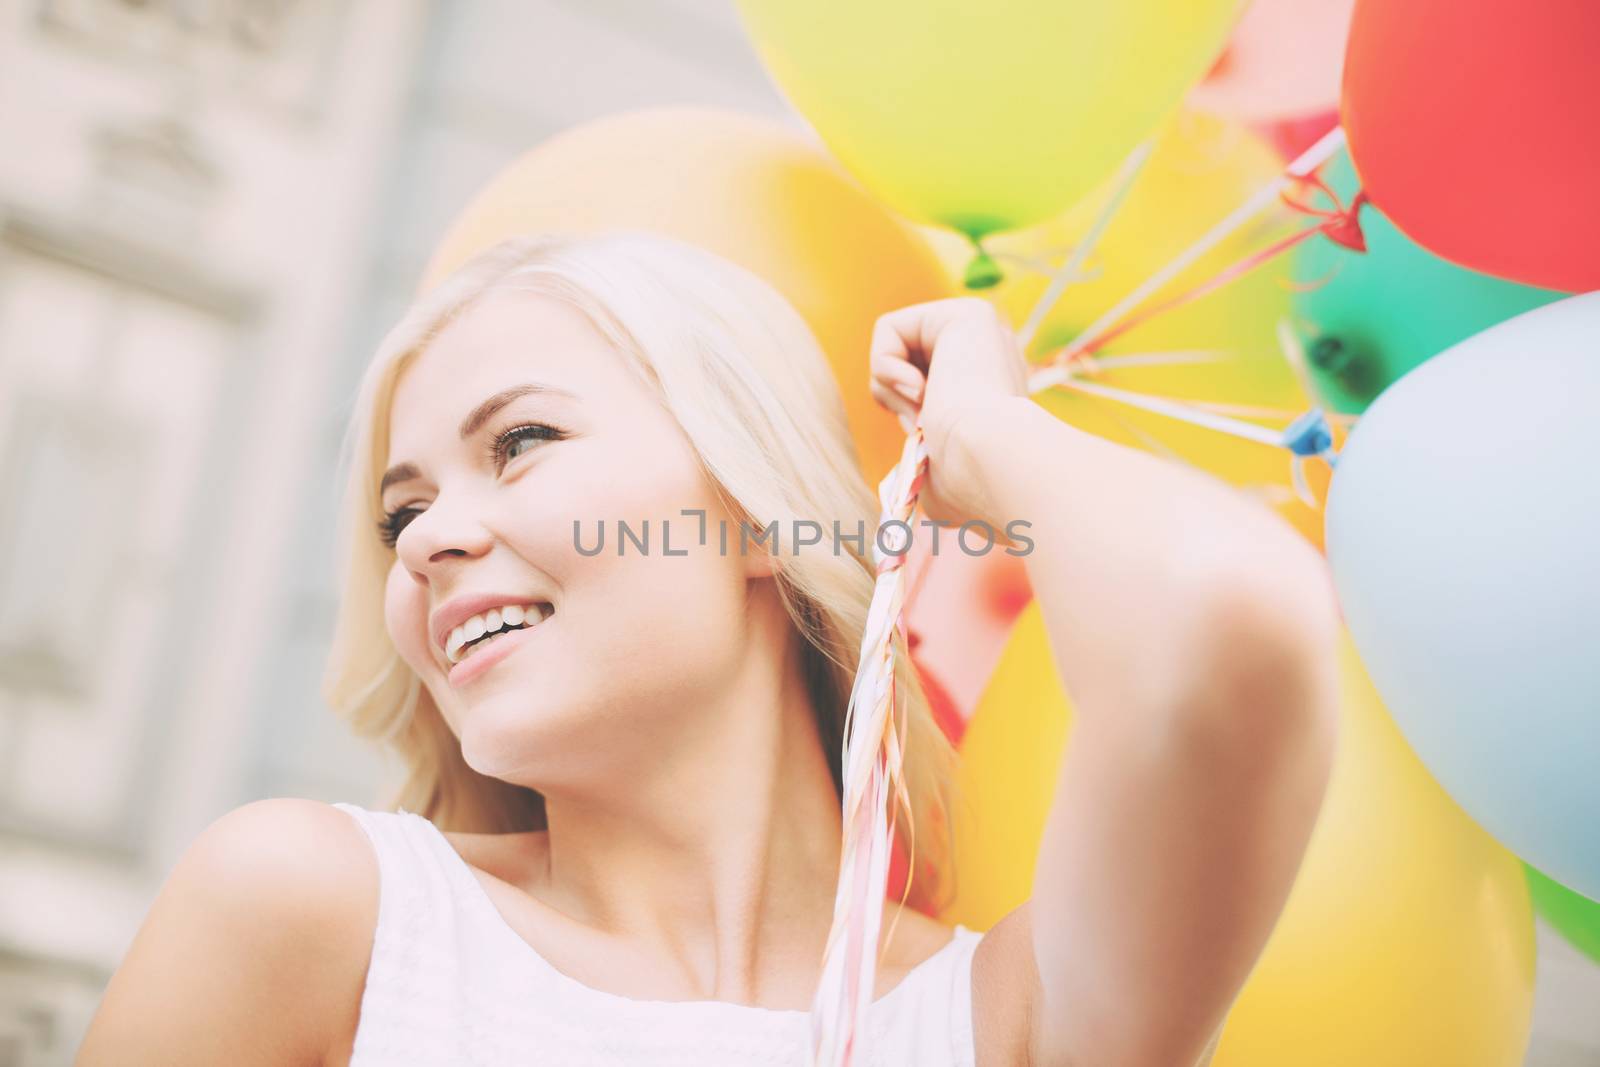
(759, 563)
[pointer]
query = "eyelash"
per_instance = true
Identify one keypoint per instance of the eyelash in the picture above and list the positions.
(389, 527)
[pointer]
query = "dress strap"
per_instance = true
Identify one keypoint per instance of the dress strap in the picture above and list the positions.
(963, 1050)
(451, 982)
(415, 977)
(424, 883)
(933, 1013)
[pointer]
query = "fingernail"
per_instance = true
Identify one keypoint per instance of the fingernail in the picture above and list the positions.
(911, 393)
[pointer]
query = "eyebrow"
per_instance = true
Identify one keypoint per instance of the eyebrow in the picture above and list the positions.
(474, 422)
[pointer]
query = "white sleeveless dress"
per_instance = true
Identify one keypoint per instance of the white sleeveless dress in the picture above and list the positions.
(452, 983)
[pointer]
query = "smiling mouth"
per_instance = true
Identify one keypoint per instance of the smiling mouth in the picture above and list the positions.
(469, 648)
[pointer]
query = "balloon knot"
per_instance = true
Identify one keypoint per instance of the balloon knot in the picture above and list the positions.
(982, 271)
(1341, 225)
(1345, 229)
(1309, 436)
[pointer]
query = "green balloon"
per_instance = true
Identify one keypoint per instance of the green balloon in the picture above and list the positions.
(1573, 914)
(1383, 311)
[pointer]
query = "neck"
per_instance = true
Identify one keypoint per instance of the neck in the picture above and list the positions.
(721, 849)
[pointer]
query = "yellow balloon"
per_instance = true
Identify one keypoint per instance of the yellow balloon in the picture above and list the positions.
(1220, 348)
(1200, 169)
(986, 117)
(1407, 939)
(1011, 754)
(754, 191)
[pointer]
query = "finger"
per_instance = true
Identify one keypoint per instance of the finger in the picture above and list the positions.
(899, 375)
(911, 333)
(897, 338)
(892, 401)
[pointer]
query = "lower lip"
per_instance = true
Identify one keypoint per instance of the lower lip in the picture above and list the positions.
(482, 660)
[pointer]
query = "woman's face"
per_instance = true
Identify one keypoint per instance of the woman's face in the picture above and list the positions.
(633, 642)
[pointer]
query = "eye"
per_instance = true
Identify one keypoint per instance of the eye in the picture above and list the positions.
(500, 453)
(391, 524)
(527, 431)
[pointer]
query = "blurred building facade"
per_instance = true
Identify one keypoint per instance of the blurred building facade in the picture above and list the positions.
(210, 212)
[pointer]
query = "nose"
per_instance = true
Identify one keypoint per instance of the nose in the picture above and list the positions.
(441, 539)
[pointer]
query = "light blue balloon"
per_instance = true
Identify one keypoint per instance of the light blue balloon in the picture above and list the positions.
(1463, 531)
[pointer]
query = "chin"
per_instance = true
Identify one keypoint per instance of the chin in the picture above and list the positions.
(506, 734)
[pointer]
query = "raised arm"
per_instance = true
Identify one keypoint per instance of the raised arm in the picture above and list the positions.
(1195, 633)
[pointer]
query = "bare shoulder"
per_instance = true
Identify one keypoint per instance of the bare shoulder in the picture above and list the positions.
(1006, 992)
(262, 932)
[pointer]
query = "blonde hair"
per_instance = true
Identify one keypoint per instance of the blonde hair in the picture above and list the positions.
(746, 379)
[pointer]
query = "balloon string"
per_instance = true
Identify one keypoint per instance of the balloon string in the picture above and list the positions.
(1038, 265)
(1256, 411)
(1174, 409)
(1341, 225)
(1308, 161)
(1177, 357)
(1313, 285)
(1071, 270)
(1215, 282)
(1308, 437)
(870, 762)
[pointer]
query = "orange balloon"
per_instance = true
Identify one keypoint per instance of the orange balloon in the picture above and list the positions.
(759, 193)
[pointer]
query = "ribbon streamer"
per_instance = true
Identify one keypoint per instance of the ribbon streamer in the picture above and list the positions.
(872, 759)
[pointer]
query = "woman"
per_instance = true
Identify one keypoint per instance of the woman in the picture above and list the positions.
(619, 831)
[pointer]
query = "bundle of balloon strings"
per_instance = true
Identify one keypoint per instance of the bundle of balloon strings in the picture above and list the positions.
(873, 749)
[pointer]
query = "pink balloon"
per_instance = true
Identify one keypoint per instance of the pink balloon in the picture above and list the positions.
(1293, 136)
(1284, 60)
(959, 617)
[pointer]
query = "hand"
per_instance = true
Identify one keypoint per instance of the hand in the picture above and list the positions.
(946, 364)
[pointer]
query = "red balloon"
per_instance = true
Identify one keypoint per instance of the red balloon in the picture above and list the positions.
(1475, 127)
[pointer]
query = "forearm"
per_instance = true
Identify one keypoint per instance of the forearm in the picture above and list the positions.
(1136, 559)
(1194, 631)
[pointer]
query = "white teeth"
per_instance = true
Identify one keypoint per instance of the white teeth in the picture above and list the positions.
(488, 622)
(482, 644)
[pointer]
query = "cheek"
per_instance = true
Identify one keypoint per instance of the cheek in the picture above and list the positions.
(595, 490)
(644, 611)
(405, 616)
(667, 615)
